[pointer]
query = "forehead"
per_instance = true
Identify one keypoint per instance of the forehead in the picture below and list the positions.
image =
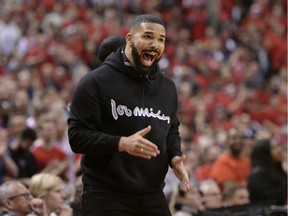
(241, 190)
(151, 28)
(235, 135)
(19, 188)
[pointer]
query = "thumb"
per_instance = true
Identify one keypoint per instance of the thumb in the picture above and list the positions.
(144, 131)
(177, 160)
(183, 157)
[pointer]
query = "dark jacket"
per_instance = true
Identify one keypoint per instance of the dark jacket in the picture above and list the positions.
(265, 190)
(113, 101)
(267, 183)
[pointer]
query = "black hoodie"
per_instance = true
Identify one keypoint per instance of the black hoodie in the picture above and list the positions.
(115, 100)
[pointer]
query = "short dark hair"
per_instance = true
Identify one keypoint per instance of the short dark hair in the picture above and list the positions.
(109, 45)
(146, 18)
(28, 133)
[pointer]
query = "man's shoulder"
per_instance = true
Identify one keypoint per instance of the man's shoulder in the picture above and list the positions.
(224, 157)
(102, 71)
(228, 159)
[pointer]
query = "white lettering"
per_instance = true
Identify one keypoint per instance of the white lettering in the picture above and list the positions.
(113, 106)
(123, 110)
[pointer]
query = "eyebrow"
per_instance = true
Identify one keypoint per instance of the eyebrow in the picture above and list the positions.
(152, 33)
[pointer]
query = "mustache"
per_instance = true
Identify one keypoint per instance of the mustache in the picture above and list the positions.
(152, 50)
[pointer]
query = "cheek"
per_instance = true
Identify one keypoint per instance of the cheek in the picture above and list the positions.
(138, 46)
(54, 201)
(162, 48)
(25, 205)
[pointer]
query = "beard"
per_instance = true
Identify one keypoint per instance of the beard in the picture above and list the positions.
(236, 152)
(138, 65)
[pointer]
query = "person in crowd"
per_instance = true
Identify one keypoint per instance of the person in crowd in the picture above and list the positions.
(8, 168)
(61, 141)
(76, 201)
(209, 155)
(48, 187)
(231, 167)
(191, 162)
(16, 124)
(110, 44)
(186, 203)
(23, 157)
(129, 134)
(267, 183)
(16, 199)
(49, 157)
(235, 196)
(211, 194)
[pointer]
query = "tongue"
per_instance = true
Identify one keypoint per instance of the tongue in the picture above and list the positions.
(147, 58)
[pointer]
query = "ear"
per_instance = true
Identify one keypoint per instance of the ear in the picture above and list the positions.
(129, 39)
(8, 204)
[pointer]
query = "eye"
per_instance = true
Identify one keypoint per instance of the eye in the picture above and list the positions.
(162, 40)
(147, 36)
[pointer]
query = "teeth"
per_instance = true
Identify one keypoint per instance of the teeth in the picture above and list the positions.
(153, 54)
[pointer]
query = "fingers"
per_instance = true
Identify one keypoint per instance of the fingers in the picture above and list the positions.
(183, 157)
(185, 185)
(146, 148)
(144, 131)
(139, 146)
(178, 160)
(181, 172)
(37, 206)
(147, 152)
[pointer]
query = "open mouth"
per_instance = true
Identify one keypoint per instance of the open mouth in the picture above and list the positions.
(149, 58)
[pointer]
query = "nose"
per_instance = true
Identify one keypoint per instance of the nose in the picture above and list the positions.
(155, 47)
(154, 43)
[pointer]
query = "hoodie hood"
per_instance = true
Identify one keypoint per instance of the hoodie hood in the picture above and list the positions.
(119, 62)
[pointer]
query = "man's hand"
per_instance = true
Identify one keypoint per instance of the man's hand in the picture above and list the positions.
(138, 146)
(180, 171)
(38, 207)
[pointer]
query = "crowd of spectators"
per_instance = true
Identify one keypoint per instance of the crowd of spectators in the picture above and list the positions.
(228, 59)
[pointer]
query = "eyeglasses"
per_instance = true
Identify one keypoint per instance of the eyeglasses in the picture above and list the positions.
(25, 195)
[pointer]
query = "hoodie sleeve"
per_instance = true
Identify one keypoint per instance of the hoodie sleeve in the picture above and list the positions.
(84, 121)
(173, 140)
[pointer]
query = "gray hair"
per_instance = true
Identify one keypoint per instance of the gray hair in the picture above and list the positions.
(7, 189)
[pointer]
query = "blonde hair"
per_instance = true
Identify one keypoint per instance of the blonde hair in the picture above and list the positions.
(41, 184)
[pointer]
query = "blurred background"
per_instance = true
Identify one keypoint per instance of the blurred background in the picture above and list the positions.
(228, 59)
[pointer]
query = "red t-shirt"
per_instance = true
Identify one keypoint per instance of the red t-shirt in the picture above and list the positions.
(44, 156)
(203, 172)
(229, 168)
